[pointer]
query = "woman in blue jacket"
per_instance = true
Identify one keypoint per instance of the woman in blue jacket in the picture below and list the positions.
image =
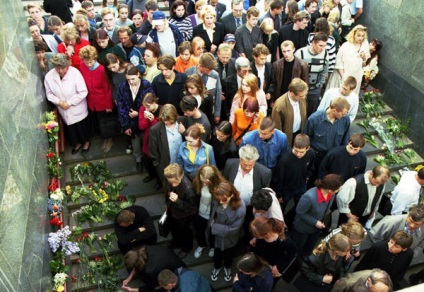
(194, 152)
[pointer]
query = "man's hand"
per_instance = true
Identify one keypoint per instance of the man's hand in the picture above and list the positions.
(141, 229)
(181, 128)
(319, 225)
(173, 197)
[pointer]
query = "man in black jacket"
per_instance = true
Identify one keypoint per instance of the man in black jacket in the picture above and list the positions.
(134, 227)
(235, 19)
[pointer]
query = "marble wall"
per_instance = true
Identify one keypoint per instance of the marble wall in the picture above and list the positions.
(24, 255)
(398, 23)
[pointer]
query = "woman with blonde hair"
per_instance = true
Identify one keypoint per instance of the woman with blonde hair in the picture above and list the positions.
(194, 152)
(196, 18)
(36, 13)
(356, 234)
(270, 38)
(181, 203)
(72, 44)
(210, 31)
(86, 32)
(206, 180)
(198, 46)
(270, 243)
(99, 98)
(226, 222)
(350, 58)
(325, 265)
(249, 88)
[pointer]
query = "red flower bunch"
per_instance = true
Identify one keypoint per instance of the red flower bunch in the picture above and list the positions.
(50, 155)
(98, 259)
(53, 185)
(56, 221)
(74, 279)
(121, 198)
(84, 235)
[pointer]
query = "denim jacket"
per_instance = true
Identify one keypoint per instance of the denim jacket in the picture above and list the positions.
(203, 156)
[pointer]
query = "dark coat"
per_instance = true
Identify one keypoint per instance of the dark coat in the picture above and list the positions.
(186, 205)
(220, 9)
(287, 33)
(269, 76)
(231, 68)
(126, 102)
(229, 89)
(158, 148)
(59, 8)
(218, 35)
(170, 93)
(300, 70)
(178, 37)
(261, 174)
(229, 23)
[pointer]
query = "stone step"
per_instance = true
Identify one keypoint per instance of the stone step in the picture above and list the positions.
(386, 111)
(356, 128)
(371, 163)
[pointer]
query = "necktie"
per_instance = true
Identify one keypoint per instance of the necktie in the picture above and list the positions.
(204, 78)
(238, 21)
(224, 72)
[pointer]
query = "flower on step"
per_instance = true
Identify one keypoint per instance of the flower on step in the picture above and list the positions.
(121, 198)
(53, 185)
(57, 195)
(68, 190)
(98, 259)
(74, 278)
(50, 155)
(59, 281)
(56, 221)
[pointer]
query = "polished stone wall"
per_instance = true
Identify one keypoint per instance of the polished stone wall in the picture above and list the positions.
(23, 173)
(398, 23)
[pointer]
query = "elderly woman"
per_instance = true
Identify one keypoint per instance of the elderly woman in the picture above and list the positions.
(99, 98)
(72, 44)
(210, 31)
(181, 203)
(350, 58)
(65, 87)
(36, 13)
(86, 32)
(165, 139)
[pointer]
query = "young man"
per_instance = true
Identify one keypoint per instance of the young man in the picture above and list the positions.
(266, 204)
(134, 227)
(413, 223)
(249, 34)
(108, 22)
(296, 32)
(294, 170)
(346, 91)
(165, 34)
(182, 280)
(328, 129)
(169, 85)
(286, 69)
(393, 257)
(276, 13)
(263, 70)
(235, 19)
(347, 161)
(360, 196)
(92, 16)
(289, 111)
(151, 7)
(318, 61)
(206, 69)
(193, 115)
(311, 6)
(128, 44)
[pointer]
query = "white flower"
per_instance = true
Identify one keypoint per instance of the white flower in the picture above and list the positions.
(57, 195)
(60, 279)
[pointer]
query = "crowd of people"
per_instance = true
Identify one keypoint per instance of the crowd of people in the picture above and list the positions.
(241, 112)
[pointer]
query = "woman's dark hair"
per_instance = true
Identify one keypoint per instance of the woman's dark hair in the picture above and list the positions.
(174, 6)
(40, 46)
(252, 263)
(226, 128)
(131, 70)
(101, 34)
(321, 25)
(330, 182)
(135, 12)
(378, 46)
(155, 49)
(136, 259)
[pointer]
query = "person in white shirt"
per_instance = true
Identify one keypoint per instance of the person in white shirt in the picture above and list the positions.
(408, 192)
(346, 91)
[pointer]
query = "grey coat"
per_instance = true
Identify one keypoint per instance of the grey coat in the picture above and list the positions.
(227, 225)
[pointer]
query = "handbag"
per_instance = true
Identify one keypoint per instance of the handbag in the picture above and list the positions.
(109, 125)
(163, 225)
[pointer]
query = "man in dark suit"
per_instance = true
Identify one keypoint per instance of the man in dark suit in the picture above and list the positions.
(235, 19)
(276, 13)
(226, 64)
(248, 176)
(263, 70)
(231, 84)
(219, 8)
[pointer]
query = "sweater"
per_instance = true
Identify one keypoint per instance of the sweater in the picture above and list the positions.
(184, 26)
(241, 122)
(99, 96)
(258, 283)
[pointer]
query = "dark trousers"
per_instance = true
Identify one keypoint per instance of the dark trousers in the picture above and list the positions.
(291, 214)
(149, 167)
(225, 256)
(304, 242)
(313, 100)
(200, 227)
(181, 234)
(319, 156)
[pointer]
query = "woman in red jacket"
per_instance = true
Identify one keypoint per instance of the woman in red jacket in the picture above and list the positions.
(99, 96)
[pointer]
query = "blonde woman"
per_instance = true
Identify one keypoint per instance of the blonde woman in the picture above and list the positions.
(324, 265)
(36, 13)
(249, 88)
(72, 44)
(210, 31)
(86, 32)
(350, 58)
(270, 38)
